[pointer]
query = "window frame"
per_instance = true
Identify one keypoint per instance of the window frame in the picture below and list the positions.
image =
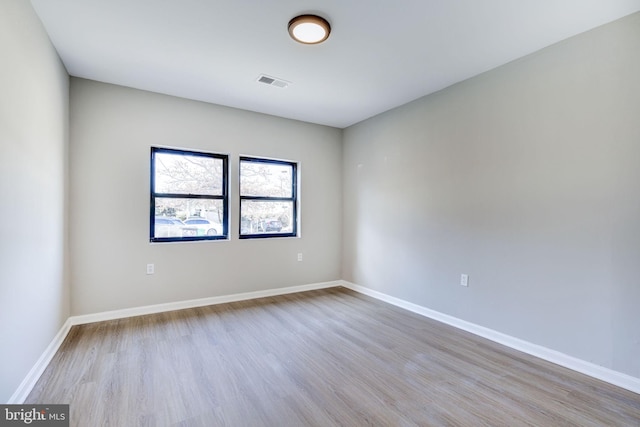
(293, 198)
(224, 235)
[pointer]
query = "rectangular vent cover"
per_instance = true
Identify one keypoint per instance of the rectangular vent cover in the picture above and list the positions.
(273, 81)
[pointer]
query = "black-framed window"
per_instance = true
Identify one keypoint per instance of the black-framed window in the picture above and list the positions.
(189, 195)
(268, 198)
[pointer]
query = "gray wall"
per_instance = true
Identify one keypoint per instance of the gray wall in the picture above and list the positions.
(112, 130)
(526, 178)
(34, 295)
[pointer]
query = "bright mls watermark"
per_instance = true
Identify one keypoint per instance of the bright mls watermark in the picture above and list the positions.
(34, 415)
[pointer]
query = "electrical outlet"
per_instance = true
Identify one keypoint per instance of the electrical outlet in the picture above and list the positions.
(299, 256)
(151, 268)
(464, 280)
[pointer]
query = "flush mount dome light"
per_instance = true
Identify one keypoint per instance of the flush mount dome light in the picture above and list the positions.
(309, 29)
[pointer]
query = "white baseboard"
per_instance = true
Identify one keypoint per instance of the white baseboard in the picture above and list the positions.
(200, 302)
(605, 374)
(34, 374)
(613, 377)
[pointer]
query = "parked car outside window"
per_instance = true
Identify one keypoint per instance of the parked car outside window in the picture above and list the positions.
(172, 227)
(204, 226)
(272, 225)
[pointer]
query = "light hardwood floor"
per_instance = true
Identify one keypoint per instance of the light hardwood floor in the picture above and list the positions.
(322, 358)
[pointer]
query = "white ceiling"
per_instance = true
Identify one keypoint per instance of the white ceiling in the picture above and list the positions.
(381, 53)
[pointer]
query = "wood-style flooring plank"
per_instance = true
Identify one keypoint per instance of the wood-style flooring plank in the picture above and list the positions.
(322, 358)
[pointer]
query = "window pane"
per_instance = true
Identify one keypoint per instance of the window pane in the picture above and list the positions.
(259, 217)
(188, 217)
(265, 179)
(187, 174)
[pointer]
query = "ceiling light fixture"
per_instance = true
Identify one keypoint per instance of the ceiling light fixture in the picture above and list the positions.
(309, 29)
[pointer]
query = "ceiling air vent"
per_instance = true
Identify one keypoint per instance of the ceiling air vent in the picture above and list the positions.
(273, 81)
